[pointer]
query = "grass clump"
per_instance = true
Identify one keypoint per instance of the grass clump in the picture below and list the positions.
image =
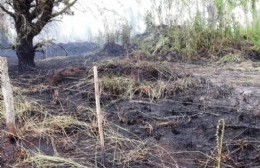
(231, 58)
(53, 126)
(42, 161)
(128, 88)
(143, 79)
(117, 85)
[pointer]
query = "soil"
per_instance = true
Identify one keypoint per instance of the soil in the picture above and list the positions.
(180, 128)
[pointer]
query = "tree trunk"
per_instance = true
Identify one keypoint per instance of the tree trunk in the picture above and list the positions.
(25, 52)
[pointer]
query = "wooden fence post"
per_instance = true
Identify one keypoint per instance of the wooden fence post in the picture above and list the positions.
(8, 98)
(99, 115)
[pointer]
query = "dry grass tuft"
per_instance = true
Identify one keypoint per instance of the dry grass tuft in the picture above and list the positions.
(143, 79)
(43, 161)
(55, 126)
(231, 58)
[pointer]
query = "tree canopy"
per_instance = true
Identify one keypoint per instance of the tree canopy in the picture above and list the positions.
(30, 17)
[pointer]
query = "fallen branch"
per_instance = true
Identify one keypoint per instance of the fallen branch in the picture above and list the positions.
(39, 46)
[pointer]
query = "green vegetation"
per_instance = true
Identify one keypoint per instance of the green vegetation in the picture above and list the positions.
(217, 35)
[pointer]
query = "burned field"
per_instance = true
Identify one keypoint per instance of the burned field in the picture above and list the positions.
(156, 114)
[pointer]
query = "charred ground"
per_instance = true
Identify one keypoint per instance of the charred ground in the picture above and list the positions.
(157, 113)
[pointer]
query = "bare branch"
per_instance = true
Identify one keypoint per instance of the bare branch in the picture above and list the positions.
(43, 44)
(37, 9)
(10, 47)
(7, 11)
(39, 46)
(44, 19)
(64, 9)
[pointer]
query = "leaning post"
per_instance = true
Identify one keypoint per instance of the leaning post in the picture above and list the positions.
(8, 98)
(99, 115)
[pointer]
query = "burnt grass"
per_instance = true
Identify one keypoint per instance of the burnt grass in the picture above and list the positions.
(174, 126)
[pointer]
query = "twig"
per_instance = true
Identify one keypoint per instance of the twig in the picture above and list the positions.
(45, 44)
(99, 115)
(220, 140)
(242, 127)
(11, 47)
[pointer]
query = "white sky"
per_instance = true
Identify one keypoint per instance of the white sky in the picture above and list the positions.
(88, 21)
(91, 16)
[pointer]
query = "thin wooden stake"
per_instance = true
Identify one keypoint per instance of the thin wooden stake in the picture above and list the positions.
(8, 98)
(99, 115)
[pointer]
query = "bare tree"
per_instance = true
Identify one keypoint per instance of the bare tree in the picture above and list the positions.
(30, 17)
